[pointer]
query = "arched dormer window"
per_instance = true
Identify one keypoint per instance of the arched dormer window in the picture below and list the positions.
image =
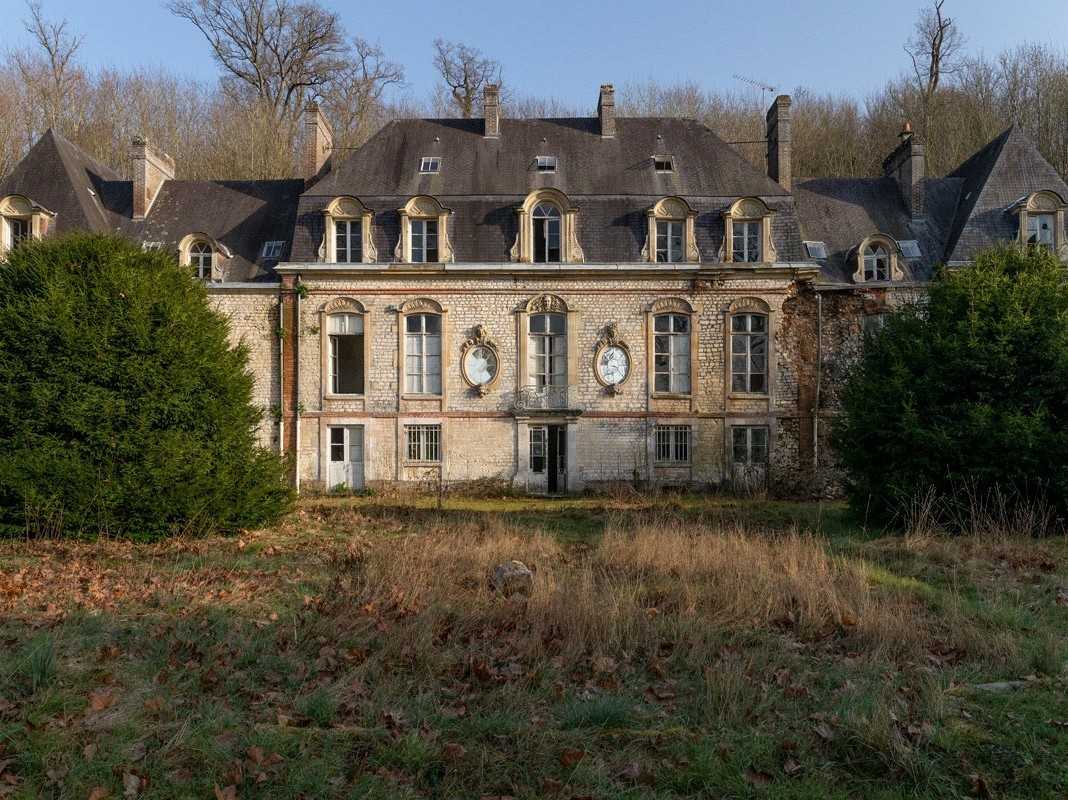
(747, 232)
(1040, 220)
(671, 237)
(424, 232)
(347, 237)
(877, 260)
(547, 229)
(202, 254)
(21, 220)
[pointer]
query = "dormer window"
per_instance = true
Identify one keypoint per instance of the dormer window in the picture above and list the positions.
(200, 259)
(424, 237)
(21, 220)
(273, 250)
(545, 164)
(1040, 230)
(816, 250)
(1040, 219)
(747, 232)
(671, 238)
(547, 231)
(876, 263)
(424, 231)
(430, 165)
(663, 163)
(347, 236)
(745, 241)
(348, 241)
(18, 231)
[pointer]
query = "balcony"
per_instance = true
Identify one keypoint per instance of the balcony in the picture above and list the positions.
(542, 398)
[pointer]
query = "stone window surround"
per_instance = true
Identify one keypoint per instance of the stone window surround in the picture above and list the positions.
(479, 338)
(423, 206)
(749, 209)
(672, 209)
(667, 471)
(570, 250)
(324, 444)
(218, 251)
(546, 304)
(422, 305)
(749, 305)
(887, 241)
(610, 338)
(431, 469)
(350, 208)
(672, 305)
(747, 421)
(1045, 201)
(524, 476)
(17, 206)
(342, 305)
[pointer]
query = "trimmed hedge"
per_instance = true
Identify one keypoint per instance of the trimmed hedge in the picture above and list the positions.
(123, 408)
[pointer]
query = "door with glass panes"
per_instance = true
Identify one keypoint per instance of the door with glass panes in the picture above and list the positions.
(346, 457)
(548, 458)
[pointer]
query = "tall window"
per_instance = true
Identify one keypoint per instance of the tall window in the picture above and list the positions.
(424, 442)
(749, 353)
(423, 354)
(346, 353)
(749, 445)
(746, 245)
(537, 449)
(1040, 230)
(348, 241)
(200, 258)
(671, 350)
(546, 219)
(673, 444)
(668, 240)
(876, 263)
(424, 241)
(547, 351)
(19, 231)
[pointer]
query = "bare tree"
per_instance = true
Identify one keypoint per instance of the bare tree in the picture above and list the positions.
(934, 47)
(354, 98)
(464, 71)
(278, 51)
(50, 70)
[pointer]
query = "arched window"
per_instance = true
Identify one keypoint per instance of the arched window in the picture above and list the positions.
(749, 353)
(21, 220)
(670, 234)
(876, 262)
(201, 257)
(671, 353)
(422, 349)
(424, 232)
(346, 353)
(747, 232)
(547, 232)
(1040, 216)
(547, 349)
(347, 238)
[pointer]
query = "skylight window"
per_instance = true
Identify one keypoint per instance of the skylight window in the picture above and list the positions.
(910, 248)
(664, 163)
(147, 246)
(816, 250)
(273, 249)
(545, 163)
(430, 165)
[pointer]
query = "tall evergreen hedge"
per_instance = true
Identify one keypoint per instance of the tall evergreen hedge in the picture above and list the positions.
(968, 390)
(123, 409)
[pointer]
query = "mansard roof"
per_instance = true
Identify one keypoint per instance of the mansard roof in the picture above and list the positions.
(993, 179)
(588, 164)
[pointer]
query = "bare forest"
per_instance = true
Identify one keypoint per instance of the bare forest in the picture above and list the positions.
(275, 56)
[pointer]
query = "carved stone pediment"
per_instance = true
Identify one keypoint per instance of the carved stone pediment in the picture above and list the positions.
(546, 304)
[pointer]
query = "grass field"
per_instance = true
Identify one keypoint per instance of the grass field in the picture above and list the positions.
(671, 647)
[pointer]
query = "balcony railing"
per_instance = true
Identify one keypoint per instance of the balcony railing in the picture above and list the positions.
(541, 398)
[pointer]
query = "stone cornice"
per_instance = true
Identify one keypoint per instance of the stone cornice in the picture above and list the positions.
(635, 270)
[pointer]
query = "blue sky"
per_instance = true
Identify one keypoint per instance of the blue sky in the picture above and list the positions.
(566, 48)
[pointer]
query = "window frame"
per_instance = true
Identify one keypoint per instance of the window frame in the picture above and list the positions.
(748, 429)
(273, 249)
(348, 225)
(749, 336)
(198, 249)
(747, 211)
(663, 159)
(343, 305)
(429, 165)
(673, 337)
(543, 446)
(334, 355)
(746, 238)
(424, 337)
(548, 340)
(876, 261)
(546, 165)
(549, 220)
(673, 437)
(427, 442)
(1036, 219)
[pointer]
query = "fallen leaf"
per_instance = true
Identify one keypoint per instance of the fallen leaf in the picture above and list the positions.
(757, 778)
(229, 793)
(571, 757)
(551, 786)
(453, 751)
(100, 699)
(255, 755)
(99, 793)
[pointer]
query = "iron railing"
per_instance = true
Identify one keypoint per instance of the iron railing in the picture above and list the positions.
(541, 398)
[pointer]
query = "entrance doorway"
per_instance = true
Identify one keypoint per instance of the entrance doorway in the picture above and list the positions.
(548, 458)
(346, 457)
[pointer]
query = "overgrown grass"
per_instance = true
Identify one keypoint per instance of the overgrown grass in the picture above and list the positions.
(679, 646)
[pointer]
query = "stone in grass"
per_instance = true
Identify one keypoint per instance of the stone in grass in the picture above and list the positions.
(511, 578)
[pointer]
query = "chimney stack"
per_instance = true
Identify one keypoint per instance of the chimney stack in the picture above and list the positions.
(318, 143)
(491, 110)
(780, 168)
(150, 169)
(606, 110)
(907, 166)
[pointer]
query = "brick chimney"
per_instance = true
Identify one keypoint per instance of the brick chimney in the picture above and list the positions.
(907, 165)
(491, 110)
(606, 109)
(780, 168)
(150, 169)
(318, 143)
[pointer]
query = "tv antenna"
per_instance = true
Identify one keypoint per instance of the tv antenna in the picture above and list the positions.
(763, 87)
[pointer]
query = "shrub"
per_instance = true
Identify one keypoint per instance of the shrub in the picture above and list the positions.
(966, 389)
(123, 408)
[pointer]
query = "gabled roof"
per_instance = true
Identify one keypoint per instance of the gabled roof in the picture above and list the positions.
(588, 164)
(60, 177)
(993, 179)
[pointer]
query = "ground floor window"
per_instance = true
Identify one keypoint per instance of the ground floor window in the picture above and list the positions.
(537, 450)
(749, 445)
(424, 442)
(673, 444)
